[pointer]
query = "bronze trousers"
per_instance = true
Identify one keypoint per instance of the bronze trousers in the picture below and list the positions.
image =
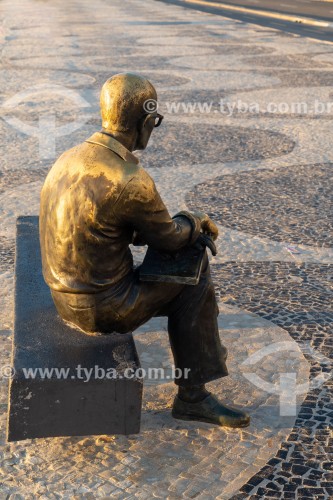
(192, 319)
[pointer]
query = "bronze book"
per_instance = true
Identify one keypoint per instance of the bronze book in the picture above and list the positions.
(182, 267)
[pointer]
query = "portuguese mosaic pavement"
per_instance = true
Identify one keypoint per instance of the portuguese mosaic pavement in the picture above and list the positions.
(265, 178)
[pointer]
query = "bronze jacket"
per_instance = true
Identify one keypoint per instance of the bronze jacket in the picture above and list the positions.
(95, 197)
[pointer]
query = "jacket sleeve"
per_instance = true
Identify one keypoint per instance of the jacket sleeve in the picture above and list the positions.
(141, 207)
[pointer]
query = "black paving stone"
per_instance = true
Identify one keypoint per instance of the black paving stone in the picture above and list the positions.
(299, 470)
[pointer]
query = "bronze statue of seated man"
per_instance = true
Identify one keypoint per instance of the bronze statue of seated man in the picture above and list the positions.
(96, 200)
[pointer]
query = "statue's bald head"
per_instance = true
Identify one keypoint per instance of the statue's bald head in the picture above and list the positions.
(122, 101)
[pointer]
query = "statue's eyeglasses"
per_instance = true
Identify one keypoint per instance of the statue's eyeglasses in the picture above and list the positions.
(157, 117)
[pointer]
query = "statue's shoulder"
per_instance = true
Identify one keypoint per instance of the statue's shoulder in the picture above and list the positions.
(64, 163)
(140, 186)
(140, 176)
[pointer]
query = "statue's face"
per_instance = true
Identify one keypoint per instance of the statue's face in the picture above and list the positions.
(145, 129)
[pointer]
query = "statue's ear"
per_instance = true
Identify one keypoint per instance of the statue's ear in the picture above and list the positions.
(145, 121)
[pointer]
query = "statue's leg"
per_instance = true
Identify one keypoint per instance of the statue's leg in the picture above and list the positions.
(196, 346)
(121, 308)
(194, 334)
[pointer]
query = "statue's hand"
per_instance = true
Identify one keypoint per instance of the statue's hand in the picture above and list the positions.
(207, 225)
(204, 241)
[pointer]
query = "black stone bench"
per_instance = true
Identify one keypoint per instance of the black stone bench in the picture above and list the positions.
(49, 405)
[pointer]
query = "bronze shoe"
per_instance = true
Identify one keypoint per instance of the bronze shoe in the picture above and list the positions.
(210, 410)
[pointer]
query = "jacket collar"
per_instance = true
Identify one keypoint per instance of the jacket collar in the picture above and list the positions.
(109, 142)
